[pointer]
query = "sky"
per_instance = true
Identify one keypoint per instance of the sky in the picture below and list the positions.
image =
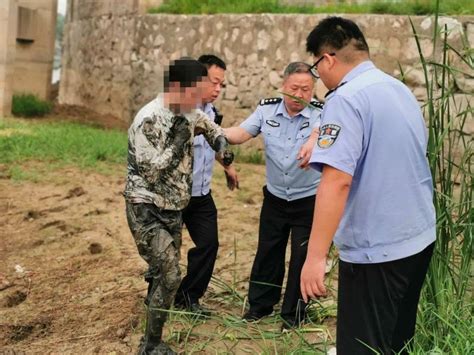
(62, 5)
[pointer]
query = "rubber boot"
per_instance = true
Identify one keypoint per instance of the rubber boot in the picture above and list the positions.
(152, 343)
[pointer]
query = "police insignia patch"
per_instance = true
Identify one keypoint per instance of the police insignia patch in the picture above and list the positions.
(304, 125)
(272, 123)
(328, 135)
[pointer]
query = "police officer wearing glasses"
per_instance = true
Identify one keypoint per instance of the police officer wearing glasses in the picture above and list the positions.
(375, 196)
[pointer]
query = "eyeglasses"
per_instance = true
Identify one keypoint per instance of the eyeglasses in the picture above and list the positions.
(314, 68)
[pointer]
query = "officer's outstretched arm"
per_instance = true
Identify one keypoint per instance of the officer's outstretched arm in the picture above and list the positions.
(237, 135)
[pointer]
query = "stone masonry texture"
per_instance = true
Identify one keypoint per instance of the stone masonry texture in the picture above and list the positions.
(113, 60)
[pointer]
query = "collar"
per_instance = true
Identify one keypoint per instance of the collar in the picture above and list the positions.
(355, 72)
(207, 108)
(281, 110)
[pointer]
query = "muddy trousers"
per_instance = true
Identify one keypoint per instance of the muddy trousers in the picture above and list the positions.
(278, 219)
(157, 234)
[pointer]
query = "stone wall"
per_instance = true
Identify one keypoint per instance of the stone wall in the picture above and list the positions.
(112, 61)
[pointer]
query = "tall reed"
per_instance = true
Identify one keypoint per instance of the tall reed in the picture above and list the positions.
(445, 322)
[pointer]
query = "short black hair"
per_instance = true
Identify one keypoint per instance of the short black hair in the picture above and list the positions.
(210, 59)
(186, 71)
(335, 33)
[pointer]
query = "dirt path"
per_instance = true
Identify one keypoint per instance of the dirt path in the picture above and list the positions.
(70, 276)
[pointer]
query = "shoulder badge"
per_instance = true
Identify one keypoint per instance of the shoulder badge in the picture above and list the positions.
(270, 101)
(317, 104)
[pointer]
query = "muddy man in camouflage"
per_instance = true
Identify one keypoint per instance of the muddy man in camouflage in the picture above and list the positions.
(159, 180)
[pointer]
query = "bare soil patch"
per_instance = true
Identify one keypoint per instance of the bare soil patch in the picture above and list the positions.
(71, 278)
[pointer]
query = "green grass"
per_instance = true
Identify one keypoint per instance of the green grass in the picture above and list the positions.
(226, 332)
(28, 105)
(58, 144)
(402, 7)
(248, 155)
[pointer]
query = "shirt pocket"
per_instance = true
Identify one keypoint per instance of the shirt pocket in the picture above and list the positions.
(304, 133)
(271, 134)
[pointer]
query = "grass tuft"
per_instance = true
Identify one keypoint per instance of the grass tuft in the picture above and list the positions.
(28, 105)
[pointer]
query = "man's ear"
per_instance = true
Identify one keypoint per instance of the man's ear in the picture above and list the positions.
(331, 60)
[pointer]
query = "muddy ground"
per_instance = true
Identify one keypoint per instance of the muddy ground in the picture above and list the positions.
(70, 274)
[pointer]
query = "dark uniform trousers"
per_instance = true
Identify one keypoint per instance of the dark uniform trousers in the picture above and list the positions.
(278, 219)
(157, 234)
(377, 304)
(200, 218)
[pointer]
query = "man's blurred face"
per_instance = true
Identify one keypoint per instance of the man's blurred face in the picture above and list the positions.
(299, 85)
(188, 97)
(194, 95)
(215, 82)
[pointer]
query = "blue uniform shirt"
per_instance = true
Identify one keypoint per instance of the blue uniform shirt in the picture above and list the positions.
(204, 158)
(372, 128)
(283, 138)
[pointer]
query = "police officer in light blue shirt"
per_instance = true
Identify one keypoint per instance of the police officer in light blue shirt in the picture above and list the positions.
(200, 216)
(375, 196)
(204, 158)
(289, 130)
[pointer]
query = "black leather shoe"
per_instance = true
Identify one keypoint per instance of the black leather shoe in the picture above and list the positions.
(290, 324)
(198, 310)
(253, 316)
(194, 308)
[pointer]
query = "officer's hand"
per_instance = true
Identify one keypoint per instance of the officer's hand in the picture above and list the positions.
(312, 278)
(180, 132)
(307, 149)
(231, 177)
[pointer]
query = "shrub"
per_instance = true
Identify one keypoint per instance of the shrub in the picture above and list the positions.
(28, 105)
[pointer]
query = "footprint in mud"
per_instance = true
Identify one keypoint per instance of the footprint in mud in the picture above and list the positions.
(56, 209)
(95, 248)
(23, 331)
(33, 214)
(75, 192)
(61, 225)
(15, 299)
(95, 212)
(20, 332)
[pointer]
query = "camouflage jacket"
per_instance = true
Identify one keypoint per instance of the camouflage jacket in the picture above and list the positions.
(158, 171)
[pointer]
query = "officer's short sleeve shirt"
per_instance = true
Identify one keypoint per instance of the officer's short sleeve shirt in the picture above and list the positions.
(283, 138)
(203, 160)
(372, 128)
